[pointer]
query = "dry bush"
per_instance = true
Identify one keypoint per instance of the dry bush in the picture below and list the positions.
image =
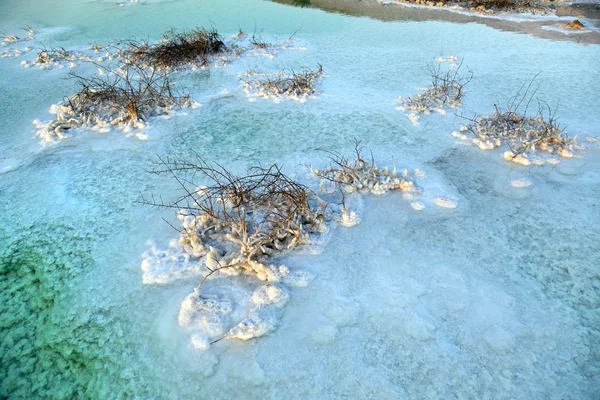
(357, 174)
(446, 89)
(239, 222)
(258, 42)
(506, 5)
(125, 96)
(522, 133)
(129, 93)
(293, 85)
(55, 55)
(179, 48)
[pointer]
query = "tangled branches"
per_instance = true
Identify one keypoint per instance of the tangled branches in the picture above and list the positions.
(125, 97)
(363, 176)
(196, 46)
(239, 222)
(7, 39)
(523, 134)
(48, 56)
(446, 89)
(292, 85)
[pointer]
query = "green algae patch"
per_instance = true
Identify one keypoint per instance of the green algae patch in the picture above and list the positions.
(49, 348)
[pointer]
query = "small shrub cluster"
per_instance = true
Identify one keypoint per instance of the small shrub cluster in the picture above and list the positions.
(125, 96)
(362, 175)
(292, 85)
(177, 49)
(240, 225)
(239, 222)
(446, 90)
(521, 133)
(51, 56)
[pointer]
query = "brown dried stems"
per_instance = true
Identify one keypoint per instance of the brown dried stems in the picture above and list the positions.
(520, 132)
(295, 85)
(244, 220)
(180, 48)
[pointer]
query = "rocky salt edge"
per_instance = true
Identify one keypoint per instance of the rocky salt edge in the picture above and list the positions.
(235, 311)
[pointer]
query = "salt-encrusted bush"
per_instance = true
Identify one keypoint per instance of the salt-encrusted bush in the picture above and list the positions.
(238, 222)
(446, 89)
(49, 56)
(124, 96)
(521, 133)
(176, 49)
(236, 225)
(358, 174)
(293, 85)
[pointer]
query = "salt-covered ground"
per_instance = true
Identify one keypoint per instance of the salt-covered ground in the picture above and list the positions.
(487, 286)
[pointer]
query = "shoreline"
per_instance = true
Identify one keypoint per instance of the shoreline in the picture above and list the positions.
(547, 26)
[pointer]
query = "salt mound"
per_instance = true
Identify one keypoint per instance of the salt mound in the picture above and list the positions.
(349, 219)
(446, 202)
(520, 183)
(271, 294)
(257, 324)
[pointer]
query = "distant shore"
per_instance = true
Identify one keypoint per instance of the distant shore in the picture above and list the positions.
(547, 19)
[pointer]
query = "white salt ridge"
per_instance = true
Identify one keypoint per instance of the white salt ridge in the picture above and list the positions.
(419, 173)
(446, 202)
(417, 206)
(553, 161)
(259, 323)
(199, 341)
(414, 119)
(520, 183)
(521, 159)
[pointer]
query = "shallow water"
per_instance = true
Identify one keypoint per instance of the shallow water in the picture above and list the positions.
(497, 298)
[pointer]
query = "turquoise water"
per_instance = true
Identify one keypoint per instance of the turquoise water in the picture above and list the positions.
(497, 298)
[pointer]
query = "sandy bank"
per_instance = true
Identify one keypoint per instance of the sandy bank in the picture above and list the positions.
(548, 26)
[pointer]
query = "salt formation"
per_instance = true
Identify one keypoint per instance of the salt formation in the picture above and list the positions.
(56, 58)
(450, 59)
(9, 40)
(124, 97)
(360, 176)
(261, 48)
(137, 87)
(446, 90)
(163, 266)
(349, 219)
(363, 176)
(417, 206)
(292, 85)
(520, 183)
(522, 136)
(446, 202)
(239, 226)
